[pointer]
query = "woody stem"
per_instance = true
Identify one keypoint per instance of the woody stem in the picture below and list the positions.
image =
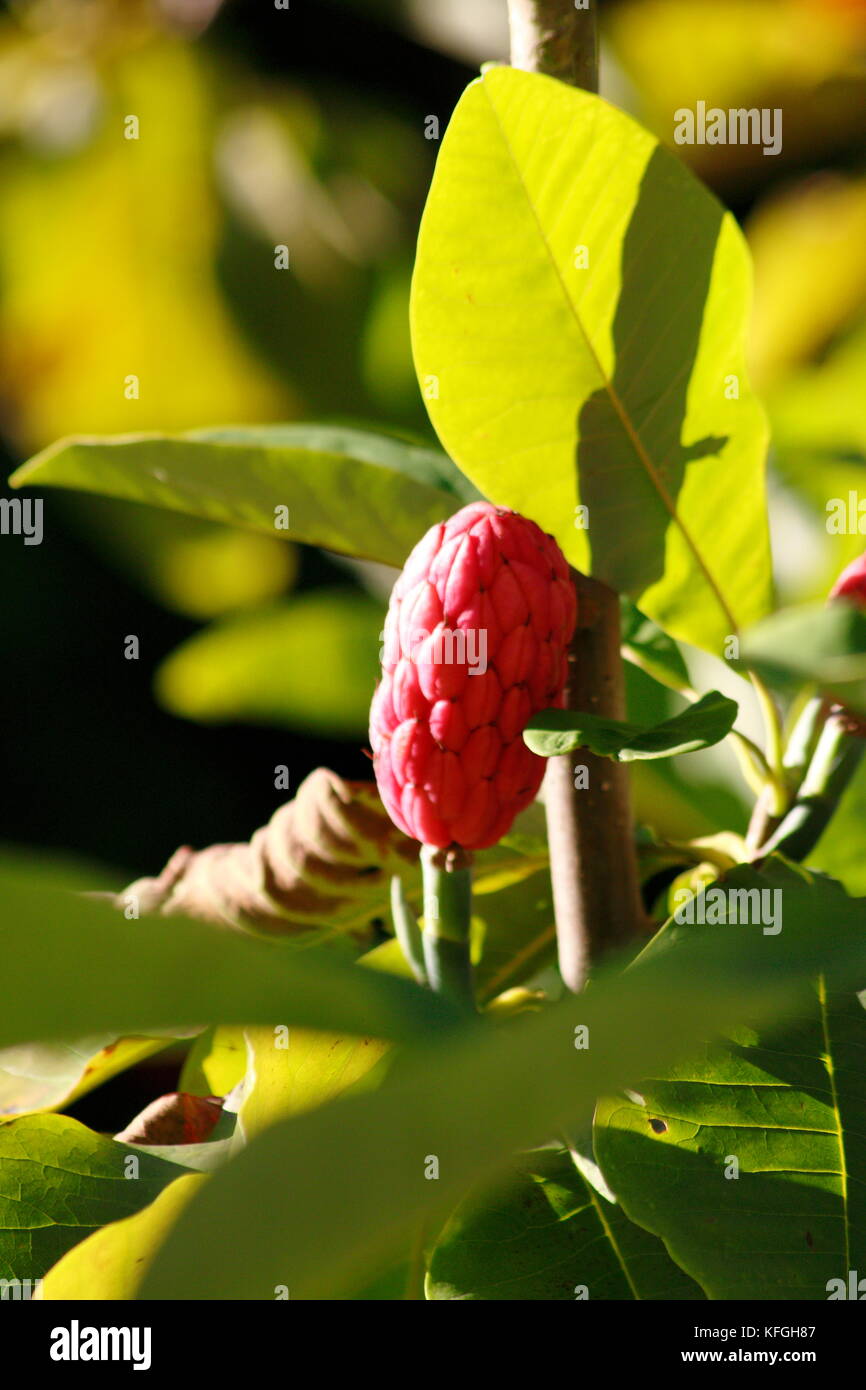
(593, 863)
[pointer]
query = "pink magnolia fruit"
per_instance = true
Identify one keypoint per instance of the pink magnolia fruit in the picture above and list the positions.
(851, 584)
(851, 588)
(476, 640)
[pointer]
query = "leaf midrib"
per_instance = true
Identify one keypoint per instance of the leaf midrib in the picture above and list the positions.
(837, 1114)
(618, 405)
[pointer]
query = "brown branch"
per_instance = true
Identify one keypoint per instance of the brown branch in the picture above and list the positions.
(593, 864)
(553, 37)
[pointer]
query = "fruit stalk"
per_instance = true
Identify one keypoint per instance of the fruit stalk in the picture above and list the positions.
(447, 877)
(836, 758)
(593, 863)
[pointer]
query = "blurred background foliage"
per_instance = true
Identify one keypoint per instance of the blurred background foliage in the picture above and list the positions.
(155, 258)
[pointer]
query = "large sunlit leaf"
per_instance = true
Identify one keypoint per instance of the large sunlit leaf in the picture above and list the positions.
(702, 724)
(545, 1234)
(576, 347)
(319, 1198)
(349, 490)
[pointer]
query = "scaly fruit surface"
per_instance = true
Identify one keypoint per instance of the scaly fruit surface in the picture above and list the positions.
(475, 643)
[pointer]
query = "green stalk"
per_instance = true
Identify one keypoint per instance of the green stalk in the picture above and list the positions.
(447, 879)
(834, 762)
(407, 931)
(778, 800)
(804, 737)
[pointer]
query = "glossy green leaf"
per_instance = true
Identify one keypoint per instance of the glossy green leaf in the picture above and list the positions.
(576, 348)
(545, 1234)
(348, 490)
(320, 1198)
(110, 1264)
(747, 1159)
(165, 972)
(821, 644)
(269, 666)
(59, 1182)
(704, 723)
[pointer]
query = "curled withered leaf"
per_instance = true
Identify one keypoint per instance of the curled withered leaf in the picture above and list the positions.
(325, 859)
(177, 1118)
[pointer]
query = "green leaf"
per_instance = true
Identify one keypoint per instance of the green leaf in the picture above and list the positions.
(824, 644)
(267, 666)
(289, 1076)
(134, 976)
(59, 1182)
(110, 1264)
(546, 1235)
(785, 1102)
(820, 410)
(349, 490)
(555, 381)
(704, 723)
(645, 645)
(215, 1063)
(47, 1076)
(788, 1108)
(322, 1197)
(841, 851)
(514, 933)
(200, 1158)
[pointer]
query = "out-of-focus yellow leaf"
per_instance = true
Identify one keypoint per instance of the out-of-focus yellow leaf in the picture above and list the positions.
(311, 663)
(106, 261)
(194, 567)
(803, 57)
(810, 271)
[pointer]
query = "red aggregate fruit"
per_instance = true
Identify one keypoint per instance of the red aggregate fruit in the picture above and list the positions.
(850, 587)
(475, 643)
(851, 584)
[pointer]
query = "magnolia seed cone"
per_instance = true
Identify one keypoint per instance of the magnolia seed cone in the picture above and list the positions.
(851, 588)
(476, 642)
